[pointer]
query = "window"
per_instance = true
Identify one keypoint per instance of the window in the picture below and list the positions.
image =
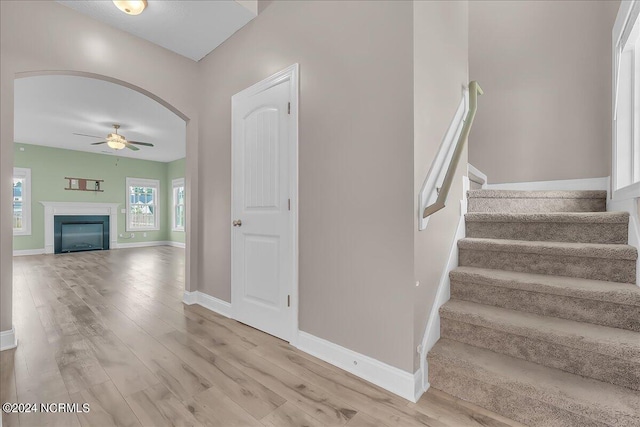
(21, 202)
(143, 204)
(178, 216)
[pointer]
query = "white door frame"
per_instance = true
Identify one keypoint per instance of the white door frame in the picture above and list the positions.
(290, 74)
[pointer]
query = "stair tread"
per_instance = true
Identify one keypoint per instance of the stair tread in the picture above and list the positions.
(614, 342)
(599, 290)
(585, 250)
(549, 194)
(552, 217)
(571, 392)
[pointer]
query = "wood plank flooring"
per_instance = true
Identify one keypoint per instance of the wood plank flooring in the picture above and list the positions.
(109, 329)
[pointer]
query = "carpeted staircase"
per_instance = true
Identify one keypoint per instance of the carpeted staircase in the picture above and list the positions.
(543, 325)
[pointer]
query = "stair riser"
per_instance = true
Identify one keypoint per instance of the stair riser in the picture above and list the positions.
(550, 232)
(525, 205)
(520, 407)
(578, 309)
(614, 270)
(552, 354)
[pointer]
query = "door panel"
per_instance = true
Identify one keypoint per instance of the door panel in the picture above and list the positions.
(262, 257)
(261, 159)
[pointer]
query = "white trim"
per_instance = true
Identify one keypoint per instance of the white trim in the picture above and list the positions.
(379, 373)
(562, 184)
(629, 205)
(143, 182)
(291, 74)
(623, 18)
(177, 183)
(27, 252)
(25, 174)
(148, 244)
(207, 301)
(190, 298)
(392, 379)
(438, 170)
(176, 244)
(472, 171)
(443, 293)
(79, 208)
(629, 192)
(8, 339)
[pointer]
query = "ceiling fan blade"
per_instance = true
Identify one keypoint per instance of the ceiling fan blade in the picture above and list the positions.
(146, 144)
(131, 147)
(98, 143)
(90, 136)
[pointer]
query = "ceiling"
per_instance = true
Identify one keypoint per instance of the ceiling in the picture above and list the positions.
(49, 109)
(189, 28)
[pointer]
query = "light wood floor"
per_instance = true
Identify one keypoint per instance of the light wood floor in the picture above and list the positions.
(109, 329)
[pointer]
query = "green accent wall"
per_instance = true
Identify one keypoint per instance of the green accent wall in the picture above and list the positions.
(175, 170)
(50, 165)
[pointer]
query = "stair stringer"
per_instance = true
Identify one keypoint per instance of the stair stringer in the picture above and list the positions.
(631, 206)
(443, 294)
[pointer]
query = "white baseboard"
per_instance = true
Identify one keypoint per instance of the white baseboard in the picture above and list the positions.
(176, 244)
(149, 244)
(25, 252)
(207, 301)
(190, 298)
(562, 184)
(8, 339)
(397, 381)
(141, 244)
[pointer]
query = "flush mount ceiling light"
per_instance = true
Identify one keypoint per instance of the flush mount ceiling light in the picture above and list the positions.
(131, 7)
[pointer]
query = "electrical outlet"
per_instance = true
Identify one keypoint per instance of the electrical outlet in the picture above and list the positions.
(144, 234)
(133, 235)
(121, 235)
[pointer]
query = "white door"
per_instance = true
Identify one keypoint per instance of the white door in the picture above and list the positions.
(263, 225)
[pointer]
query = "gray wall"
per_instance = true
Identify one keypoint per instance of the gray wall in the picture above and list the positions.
(440, 72)
(545, 67)
(356, 164)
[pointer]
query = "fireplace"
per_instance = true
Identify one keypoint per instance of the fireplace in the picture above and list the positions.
(76, 233)
(80, 209)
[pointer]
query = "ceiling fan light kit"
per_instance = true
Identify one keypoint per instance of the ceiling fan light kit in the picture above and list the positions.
(131, 7)
(115, 141)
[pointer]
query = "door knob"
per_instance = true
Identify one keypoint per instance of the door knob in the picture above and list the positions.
(237, 223)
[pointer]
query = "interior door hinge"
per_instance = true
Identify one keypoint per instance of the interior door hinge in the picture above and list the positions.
(288, 300)
(289, 204)
(289, 108)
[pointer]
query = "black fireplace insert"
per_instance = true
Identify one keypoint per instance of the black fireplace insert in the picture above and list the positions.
(76, 233)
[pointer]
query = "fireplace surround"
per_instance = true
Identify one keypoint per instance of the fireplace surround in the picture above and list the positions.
(52, 209)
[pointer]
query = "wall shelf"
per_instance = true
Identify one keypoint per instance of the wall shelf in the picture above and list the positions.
(84, 184)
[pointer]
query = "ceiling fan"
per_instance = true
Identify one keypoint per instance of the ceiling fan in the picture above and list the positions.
(117, 141)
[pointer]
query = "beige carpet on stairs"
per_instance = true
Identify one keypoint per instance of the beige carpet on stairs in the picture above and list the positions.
(543, 325)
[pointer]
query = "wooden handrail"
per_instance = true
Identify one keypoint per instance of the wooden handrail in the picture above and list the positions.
(443, 192)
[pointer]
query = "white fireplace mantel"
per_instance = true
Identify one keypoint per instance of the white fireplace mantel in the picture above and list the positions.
(52, 209)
